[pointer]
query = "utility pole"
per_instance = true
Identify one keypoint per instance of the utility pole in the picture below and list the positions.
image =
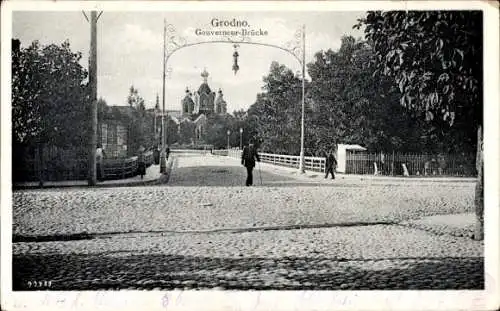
(163, 160)
(302, 127)
(92, 177)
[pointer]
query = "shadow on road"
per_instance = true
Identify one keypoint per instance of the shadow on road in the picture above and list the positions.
(150, 271)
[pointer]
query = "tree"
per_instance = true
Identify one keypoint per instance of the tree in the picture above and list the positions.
(435, 59)
(352, 106)
(50, 100)
(240, 114)
(216, 131)
(49, 96)
(187, 130)
(278, 111)
(172, 130)
(139, 127)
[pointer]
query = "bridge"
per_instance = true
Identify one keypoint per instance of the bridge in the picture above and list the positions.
(205, 229)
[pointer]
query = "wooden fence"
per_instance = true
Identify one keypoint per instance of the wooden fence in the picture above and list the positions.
(393, 164)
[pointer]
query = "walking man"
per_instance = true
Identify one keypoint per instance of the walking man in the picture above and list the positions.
(248, 158)
(331, 164)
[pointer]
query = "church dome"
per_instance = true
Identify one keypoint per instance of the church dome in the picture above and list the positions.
(204, 88)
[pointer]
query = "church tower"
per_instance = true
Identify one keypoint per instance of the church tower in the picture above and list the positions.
(207, 97)
(187, 104)
(220, 104)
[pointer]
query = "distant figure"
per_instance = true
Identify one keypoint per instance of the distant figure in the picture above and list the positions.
(99, 159)
(248, 158)
(141, 162)
(167, 152)
(441, 164)
(156, 155)
(331, 164)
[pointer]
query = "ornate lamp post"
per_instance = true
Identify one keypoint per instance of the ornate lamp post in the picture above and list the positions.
(228, 133)
(241, 138)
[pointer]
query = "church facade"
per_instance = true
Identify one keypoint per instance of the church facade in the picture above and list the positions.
(196, 107)
(203, 101)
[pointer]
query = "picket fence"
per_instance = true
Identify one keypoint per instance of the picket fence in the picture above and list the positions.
(394, 164)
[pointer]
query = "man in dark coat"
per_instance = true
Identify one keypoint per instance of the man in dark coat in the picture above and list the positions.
(331, 164)
(248, 158)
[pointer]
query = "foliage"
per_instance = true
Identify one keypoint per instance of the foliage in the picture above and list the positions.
(135, 100)
(140, 133)
(276, 112)
(173, 135)
(435, 59)
(216, 131)
(352, 106)
(186, 132)
(49, 96)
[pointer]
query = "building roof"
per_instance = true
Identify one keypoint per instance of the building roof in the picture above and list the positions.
(187, 99)
(351, 147)
(175, 119)
(200, 117)
(204, 88)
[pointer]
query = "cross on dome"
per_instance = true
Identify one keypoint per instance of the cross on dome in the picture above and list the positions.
(204, 75)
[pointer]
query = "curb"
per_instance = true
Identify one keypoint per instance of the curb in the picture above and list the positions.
(158, 181)
(341, 176)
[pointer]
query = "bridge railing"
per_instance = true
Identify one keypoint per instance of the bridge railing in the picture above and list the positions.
(220, 152)
(316, 164)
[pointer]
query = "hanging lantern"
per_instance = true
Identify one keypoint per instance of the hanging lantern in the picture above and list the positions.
(235, 60)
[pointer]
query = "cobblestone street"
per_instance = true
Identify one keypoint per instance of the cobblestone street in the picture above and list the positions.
(204, 229)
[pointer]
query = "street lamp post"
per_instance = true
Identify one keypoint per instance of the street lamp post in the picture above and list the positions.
(302, 126)
(241, 138)
(228, 133)
(163, 155)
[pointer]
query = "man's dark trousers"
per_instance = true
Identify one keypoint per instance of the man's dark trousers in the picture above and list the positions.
(328, 171)
(249, 181)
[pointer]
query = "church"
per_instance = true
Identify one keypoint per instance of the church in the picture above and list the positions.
(197, 106)
(203, 101)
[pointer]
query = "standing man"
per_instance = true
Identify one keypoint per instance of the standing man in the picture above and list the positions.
(331, 164)
(248, 158)
(99, 157)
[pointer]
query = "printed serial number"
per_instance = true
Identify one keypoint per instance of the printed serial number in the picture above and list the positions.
(39, 284)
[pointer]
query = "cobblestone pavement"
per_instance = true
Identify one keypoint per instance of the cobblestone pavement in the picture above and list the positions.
(204, 230)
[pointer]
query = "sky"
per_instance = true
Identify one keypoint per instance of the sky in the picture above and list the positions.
(130, 49)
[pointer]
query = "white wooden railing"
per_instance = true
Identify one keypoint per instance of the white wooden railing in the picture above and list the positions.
(316, 164)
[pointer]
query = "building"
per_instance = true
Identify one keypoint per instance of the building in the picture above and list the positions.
(114, 131)
(195, 109)
(203, 101)
(343, 151)
(198, 106)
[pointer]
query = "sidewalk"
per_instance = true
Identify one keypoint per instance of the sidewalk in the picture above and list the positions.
(320, 175)
(153, 176)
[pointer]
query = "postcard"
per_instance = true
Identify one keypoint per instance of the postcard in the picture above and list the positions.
(250, 155)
